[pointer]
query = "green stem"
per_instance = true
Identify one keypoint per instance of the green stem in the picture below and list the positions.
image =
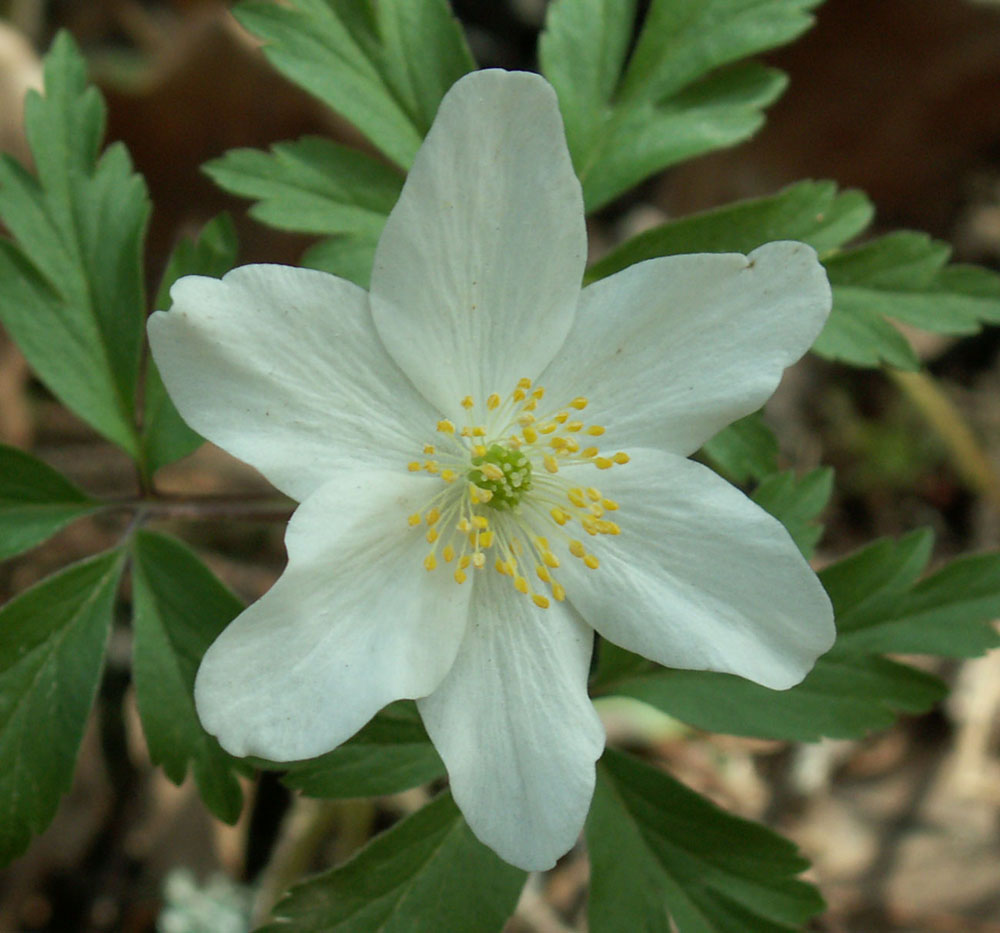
(964, 449)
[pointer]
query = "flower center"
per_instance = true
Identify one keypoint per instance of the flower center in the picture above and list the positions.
(505, 473)
(511, 485)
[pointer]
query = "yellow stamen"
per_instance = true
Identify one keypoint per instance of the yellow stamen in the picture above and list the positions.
(493, 402)
(540, 601)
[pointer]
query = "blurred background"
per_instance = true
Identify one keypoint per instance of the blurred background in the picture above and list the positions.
(898, 97)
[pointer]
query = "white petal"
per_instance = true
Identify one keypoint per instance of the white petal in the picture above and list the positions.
(671, 350)
(515, 727)
(353, 623)
(700, 577)
(478, 271)
(282, 367)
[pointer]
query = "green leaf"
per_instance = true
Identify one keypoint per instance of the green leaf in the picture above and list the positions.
(165, 436)
(383, 66)
(35, 501)
(426, 873)
(683, 92)
(71, 287)
(812, 212)
(903, 276)
(664, 858)
(180, 607)
(880, 608)
(796, 502)
(311, 186)
(744, 450)
(390, 754)
(51, 657)
(350, 257)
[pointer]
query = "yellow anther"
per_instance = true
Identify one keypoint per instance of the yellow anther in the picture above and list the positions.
(609, 528)
(559, 516)
(448, 554)
(431, 466)
(576, 497)
(589, 524)
(593, 494)
(485, 495)
(467, 402)
(551, 464)
(432, 535)
(592, 562)
(530, 435)
(493, 402)
(595, 510)
(479, 560)
(609, 504)
(480, 521)
(460, 576)
(479, 450)
(432, 516)
(485, 538)
(521, 585)
(603, 463)
(558, 443)
(574, 425)
(561, 417)
(550, 559)
(464, 561)
(479, 431)
(526, 419)
(538, 392)
(414, 519)
(524, 383)
(449, 476)
(464, 524)
(428, 448)
(492, 471)
(540, 601)
(446, 427)
(413, 466)
(543, 574)
(558, 592)
(572, 445)
(501, 567)
(430, 562)
(621, 457)
(515, 441)
(588, 452)
(530, 405)
(595, 430)
(579, 403)
(577, 549)
(519, 395)
(548, 427)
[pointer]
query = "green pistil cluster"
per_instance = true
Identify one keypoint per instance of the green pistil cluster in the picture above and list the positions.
(505, 472)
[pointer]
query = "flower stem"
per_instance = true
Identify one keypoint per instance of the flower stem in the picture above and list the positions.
(964, 450)
(207, 508)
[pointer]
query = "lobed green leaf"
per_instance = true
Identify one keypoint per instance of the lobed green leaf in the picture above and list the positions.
(71, 288)
(426, 872)
(51, 658)
(180, 607)
(383, 66)
(684, 91)
(796, 501)
(311, 185)
(745, 449)
(812, 212)
(663, 858)
(390, 754)
(35, 501)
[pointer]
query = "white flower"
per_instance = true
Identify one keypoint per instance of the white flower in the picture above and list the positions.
(462, 532)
